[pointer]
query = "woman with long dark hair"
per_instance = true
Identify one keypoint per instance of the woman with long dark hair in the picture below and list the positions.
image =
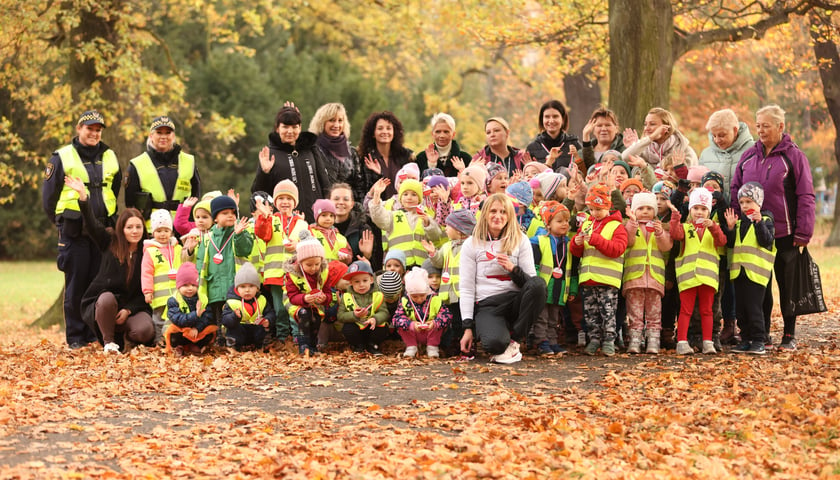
(382, 150)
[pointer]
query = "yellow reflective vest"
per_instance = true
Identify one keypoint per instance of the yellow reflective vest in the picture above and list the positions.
(546, 266)
(350, 305)
(698, 264)
(245, 317)
(150, 181)
(434, 309)
(330, 251)
(73, 167)
(597, 267)
(451, 266)
(304, 287)
(276, 254)
(406, 239)
(642, 255)
(756, 260)
(164, 287)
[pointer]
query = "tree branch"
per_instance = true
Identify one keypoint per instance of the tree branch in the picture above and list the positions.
(166, 50)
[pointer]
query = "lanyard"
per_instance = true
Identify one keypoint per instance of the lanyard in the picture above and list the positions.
(219, 250)
(425, 315)
(558, 259)
(287, 226)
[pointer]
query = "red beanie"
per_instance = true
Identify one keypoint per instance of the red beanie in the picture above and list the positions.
(187, 275)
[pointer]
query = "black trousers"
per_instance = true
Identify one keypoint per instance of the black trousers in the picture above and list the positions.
(749, 312)
(78, 258)
(509, 315)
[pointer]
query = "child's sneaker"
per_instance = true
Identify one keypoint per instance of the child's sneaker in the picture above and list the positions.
(635, 345)
(410, 351)
(544, 348)
(581, 338)
(510, 355)
(652, 345)
(111, 347)
(592, 347)
(558, 349)
(374, 350)
(756, 348)
(432, 351)
(788, 343)
(608, 349)
(744, 347)
(683, 348)
(709, 347)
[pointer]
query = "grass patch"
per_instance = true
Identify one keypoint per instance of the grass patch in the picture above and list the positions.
(27, 289)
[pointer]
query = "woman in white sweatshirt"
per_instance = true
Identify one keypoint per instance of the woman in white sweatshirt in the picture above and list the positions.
(501, 294)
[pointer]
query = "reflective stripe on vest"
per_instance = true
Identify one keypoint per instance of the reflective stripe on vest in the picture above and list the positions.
(640, 256)
(164, 287)
(597, 267)
(377, 300)
(248, 317)
(547, 265)
(73, 167)
(434, 309)
(276, 254)
(698, 264)
(449, 290)
(756, 260)
(303, 286)
(257, 256)
(407, 240)
(150, 180)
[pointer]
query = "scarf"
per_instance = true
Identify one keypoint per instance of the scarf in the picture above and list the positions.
(337, 146)
(660, 151)
(329, 234)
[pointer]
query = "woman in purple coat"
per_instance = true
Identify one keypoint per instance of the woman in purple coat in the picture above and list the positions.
(783, 170)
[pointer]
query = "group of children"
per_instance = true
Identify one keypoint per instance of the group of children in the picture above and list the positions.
(598, 240)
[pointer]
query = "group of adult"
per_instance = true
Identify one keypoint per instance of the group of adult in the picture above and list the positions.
(323, 164)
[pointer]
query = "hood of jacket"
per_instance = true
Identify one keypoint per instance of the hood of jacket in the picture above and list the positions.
(305, 141)
(744, 137)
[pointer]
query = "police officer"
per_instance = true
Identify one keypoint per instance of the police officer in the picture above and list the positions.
(163, 176)
(96, 165)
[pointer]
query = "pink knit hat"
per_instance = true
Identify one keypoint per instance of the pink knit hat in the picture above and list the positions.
(417, 282)
(479, 174)
(308, 247)
(187, 275)
(323, 205)
(286, 187)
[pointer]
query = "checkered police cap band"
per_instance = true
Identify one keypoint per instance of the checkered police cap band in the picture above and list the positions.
(162, 121)
(91, 117)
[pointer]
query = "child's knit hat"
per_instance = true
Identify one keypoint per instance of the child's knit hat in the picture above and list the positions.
(247, 275)
(619, 163)
(359, 267)
(437, 181)
(696, 173)
(187, 275)
(715, 177)
(753, 191)
(259, 195)
(417, 282)
(631, 181)
(430, 268)
(219, 204)
(617, 158)
(323, 205)
(161, 219)
(662, 188)
(549, 182)
(431, 172)
(288, 188)
(700, 196)
(540, 167)
(413, 185)
(391, 285)
(462, 220)
(308, 247)
(598, 196)
(203, 205)
(644, 199)
(549, 209)
(395, 254)
(493, 169)
(520, 192)
(476, 173)
(409, 171)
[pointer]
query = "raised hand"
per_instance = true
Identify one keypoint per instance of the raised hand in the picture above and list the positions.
(678, 157)
(372, 164)
(432, 155)
(660, 132)
(379, 187)
(429, 247)
(366, 244)
(232, 194)
(190, 202)
(291, 104)
(587, 130)
(241, 225)
(630, 137)
(263, 208)
(266, 160)
(457, 162)
(731, 218)
(78, 185)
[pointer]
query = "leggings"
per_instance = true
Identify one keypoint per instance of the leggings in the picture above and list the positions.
(138, 327)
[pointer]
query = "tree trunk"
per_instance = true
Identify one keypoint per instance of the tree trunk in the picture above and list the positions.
(641, 58)
(828, 60)
(54, 315)
(583, 95)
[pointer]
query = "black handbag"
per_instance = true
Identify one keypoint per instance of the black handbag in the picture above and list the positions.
(802, 278)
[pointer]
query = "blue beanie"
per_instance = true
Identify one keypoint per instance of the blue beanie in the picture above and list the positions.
(521, 192)
(394, 254)
(221, 203)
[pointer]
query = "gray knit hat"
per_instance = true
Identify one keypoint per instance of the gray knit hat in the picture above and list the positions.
(247, 275)
(753, 191)
(429, 268)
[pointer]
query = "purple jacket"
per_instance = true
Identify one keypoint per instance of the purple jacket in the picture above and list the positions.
(771, 172)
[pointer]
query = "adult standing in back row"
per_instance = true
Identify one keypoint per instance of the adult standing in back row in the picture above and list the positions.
(382, 150)
(553, 146)
(90, 160)
(785, 173)
(164, 175)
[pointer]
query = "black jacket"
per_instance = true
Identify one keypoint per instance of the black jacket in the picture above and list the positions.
(166, 164)
(543, 143)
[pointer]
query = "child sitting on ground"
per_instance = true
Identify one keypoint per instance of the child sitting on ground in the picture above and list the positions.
(189, 327)
(421, 317)
(362, 315)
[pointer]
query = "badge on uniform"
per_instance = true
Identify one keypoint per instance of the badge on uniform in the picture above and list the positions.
(48, 172)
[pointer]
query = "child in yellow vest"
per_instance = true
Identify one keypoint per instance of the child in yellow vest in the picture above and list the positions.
(697, 267)
(421, 317)
(648, 245)
(247, 315)
(362, 314)
(407, 227)
(280, 232)
(556, 266)
(189, 327)
(335, 245)
(752, 237)
(161, 259)
(307, 291)
(600, 243)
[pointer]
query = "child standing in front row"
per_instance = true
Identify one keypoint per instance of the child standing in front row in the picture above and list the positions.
(362, 314)
(189, 327)
(555, 266)
(161, 259)
(697, 267)
(421, 317)
(752, 237)
(601, 242)
(644, 272)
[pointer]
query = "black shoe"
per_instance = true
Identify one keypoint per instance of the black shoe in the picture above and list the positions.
(744, 347)
(374, 350)
(77, 345)
(757, 348)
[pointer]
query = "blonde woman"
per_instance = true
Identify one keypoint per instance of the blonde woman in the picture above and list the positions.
(501, 294)
(332, 126)
(661, 138)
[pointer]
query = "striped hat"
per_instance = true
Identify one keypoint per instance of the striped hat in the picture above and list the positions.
(391, 285)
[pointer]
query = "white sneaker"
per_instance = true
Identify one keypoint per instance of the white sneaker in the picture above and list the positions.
(709, 347)
(683, 348)
(432, 351)
(581, 339)
(111, 347)
(510, 355)
(410, 352)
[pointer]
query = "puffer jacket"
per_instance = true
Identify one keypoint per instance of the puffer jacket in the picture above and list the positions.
(724, 161)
